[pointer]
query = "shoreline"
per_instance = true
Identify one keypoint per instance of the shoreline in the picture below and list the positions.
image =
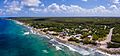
(38, 32)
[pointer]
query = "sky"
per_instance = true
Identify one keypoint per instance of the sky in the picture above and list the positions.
(59, 8)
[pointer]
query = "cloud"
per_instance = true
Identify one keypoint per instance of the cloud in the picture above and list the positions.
(75, 9)
(36, 6)
(16, 6)
(53, 8)
(78, 10)
(35, 10)
(63, 8)
(115, 1)
(13, 7)
(100, 10)
(71, 9)
(31, 3)
(1, 11)
(113, 7)
(85, 0)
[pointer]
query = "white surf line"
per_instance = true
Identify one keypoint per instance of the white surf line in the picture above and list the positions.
(18, 22)
(26, 33)
(108, 39)
(57, 48)
(45, 51)
(73, 48)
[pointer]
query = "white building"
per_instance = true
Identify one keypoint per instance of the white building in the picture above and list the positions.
(89, 36)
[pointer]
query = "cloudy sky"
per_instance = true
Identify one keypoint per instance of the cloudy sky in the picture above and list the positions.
(58, 8)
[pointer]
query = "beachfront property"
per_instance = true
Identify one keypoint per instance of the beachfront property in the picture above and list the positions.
(90, 37)
(81, 31)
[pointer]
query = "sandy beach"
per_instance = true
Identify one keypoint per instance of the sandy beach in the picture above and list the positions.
(63, 41)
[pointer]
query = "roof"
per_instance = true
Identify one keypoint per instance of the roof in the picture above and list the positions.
(89, 36)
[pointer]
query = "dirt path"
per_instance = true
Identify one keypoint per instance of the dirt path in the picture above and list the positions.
(109, 35)
(108, 39)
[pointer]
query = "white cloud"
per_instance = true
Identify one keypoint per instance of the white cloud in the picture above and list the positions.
(75, 9)
(53, 8)
(85, 0)
(36, 10)
(115, 1)
(14, 6)
(37, 7)
(0, 11)
(63, 8)
(71, 9)
(100, 10)
(113, 7)
(31, 3)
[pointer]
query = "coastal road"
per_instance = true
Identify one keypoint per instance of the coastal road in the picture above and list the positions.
(108, 38)
(109, 35)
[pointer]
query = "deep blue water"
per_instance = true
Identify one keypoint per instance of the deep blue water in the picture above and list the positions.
(13, 42)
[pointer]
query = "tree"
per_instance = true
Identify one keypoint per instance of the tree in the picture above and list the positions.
(74, 39)
(95, 37)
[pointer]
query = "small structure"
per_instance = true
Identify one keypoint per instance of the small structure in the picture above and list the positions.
(67, 29)
(84, 29)
(51, 32)
(63, 33)
(90, 37)
(44, 28)
(77, 36)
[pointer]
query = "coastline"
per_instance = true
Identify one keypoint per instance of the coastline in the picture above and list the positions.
(62, 41)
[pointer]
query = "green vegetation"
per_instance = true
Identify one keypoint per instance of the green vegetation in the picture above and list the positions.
(98, 28)
(116, 33)
(113, 45)
(74, 39)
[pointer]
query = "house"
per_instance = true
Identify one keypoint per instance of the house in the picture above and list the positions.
(77, 36)
(63, 33)
(84, 29)
(90, 37)
(51, 32)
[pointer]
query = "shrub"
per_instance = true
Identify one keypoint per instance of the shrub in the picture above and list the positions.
(113, 45)
(74, 39)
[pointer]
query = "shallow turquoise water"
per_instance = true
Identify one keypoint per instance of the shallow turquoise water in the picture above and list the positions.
(13, 42)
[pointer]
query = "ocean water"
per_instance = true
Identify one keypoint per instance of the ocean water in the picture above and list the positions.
(17, 40)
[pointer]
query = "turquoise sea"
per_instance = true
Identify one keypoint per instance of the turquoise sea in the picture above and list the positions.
(14, 42)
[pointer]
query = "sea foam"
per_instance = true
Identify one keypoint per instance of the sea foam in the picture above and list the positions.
(75, 49)
(70, 47)
(26, 33)
(45, 51)
(18, 22)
